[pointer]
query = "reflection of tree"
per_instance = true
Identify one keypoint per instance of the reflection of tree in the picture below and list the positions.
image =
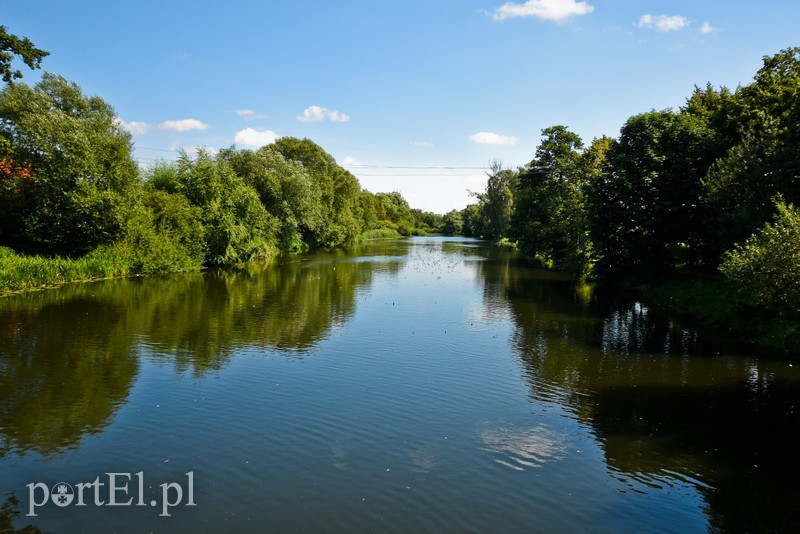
(64, 368)
(9, 513)
(68, 357)
(729, 425)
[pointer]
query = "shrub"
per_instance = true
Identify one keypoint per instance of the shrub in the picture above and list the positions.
(767, 267)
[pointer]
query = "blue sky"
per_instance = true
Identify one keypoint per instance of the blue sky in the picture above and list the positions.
(412, 96)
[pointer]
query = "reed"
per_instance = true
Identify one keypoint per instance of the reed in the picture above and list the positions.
(19, 273)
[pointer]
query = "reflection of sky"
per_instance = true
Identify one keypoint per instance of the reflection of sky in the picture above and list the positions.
(521, 448)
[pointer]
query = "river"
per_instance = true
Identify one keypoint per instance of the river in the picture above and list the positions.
(421, 385)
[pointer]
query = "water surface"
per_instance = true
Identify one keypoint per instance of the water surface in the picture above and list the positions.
(422, 385)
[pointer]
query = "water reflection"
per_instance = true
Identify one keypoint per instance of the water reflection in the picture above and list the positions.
(727, 425)
(69, 356)
(65, 366)
(463, 340)
(523, 448)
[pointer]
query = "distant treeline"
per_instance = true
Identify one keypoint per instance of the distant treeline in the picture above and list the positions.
(709, 187)
(74, 204)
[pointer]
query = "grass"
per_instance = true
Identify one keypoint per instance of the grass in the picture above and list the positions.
(20, 273)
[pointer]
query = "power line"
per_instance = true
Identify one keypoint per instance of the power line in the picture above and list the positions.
(362, 166)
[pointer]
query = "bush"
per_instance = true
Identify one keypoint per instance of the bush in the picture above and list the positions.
(767, 267)
(162, 234)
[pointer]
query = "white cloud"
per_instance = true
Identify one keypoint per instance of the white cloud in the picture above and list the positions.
(184, 125)
(256, 138)
(663, 23)
(250, 115)
(707, 28)
(350, 162)
(426, 144)
(489, 138)
(556, 10)
(317, 113)
(134, 127)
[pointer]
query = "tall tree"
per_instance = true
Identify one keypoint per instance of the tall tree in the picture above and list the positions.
(548, 219)
(645, 210)
(79, 164)
(497, 202)
(766, 159)
(338, 188)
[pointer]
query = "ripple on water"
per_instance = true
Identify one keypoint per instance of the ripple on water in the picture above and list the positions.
(523, 448)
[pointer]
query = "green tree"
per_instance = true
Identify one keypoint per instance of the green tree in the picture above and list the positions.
(452, 224)
(339, 191)
(80, 169)
(766, 159)
(286, 189)
(496, 203)
(645, 211)
(394, 210)
(549, 216)
(163, 233)
(12, 46)
(472, 225)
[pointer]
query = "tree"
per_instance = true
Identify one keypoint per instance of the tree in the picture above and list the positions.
(78, 162)
(645, 211)
(765, 161)
(548, 219)
(496, 203)
(453, 224)
(11, 46)
(285, 188)
(472, 221)
(339, 191)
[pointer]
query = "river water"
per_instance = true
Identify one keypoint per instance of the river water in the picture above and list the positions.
(421, 385)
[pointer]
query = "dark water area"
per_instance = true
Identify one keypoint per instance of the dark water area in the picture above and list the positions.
(421, 385)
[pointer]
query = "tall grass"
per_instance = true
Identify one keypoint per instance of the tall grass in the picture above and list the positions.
(18, 273)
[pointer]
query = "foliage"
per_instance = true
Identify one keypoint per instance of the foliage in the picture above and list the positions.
(548, 219)
(339, 192)
(163, 233)
(285, 189)
(644, 209)
(765, 161)
(78, 168)
(427, 220)
(767, 266)
(496, 204)
(472, 222)
(11, 46)
(237, 225)
(452, 223)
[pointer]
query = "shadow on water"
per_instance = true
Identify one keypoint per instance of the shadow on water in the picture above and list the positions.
(664, 404)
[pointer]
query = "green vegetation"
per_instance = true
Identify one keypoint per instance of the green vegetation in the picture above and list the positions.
(10, 46)
(679, 193)
(74, 205)
(767, 267)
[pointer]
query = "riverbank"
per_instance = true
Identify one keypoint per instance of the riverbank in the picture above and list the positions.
(20, 273)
